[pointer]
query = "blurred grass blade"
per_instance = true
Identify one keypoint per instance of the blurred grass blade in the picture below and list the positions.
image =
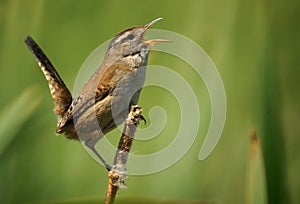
(15, 114)
(256, 180)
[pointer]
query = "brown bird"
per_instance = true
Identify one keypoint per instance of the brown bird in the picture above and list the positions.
(104, 101)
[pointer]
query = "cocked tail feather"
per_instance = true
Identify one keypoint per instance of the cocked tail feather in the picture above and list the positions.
(60, 93)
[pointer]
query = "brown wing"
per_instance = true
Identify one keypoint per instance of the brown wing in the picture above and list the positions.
(81, 104)
(94, 98)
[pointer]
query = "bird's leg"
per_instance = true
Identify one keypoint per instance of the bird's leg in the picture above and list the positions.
(90, 143)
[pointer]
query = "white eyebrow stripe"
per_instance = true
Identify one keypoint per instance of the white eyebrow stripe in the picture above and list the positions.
(121, 37)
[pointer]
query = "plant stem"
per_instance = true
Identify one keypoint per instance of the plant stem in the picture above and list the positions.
(117, 175)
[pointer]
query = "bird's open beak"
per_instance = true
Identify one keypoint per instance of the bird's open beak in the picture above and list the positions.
(147, 26)
(152, 42)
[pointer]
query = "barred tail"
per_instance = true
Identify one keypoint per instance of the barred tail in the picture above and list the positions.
(61, 95)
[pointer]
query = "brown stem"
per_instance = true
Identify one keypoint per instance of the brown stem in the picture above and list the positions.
(117, 175)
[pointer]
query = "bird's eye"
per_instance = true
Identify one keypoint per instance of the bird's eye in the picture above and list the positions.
(127, 38)
(130, 36)
(132, 54)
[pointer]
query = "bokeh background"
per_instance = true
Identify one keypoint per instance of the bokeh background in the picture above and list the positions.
(254, 44)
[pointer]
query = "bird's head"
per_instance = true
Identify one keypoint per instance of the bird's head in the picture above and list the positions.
(130, 47)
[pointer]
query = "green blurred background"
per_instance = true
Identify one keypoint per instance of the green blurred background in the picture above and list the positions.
(254, 44)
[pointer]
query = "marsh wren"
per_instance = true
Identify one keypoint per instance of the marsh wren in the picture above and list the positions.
(104, 101)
